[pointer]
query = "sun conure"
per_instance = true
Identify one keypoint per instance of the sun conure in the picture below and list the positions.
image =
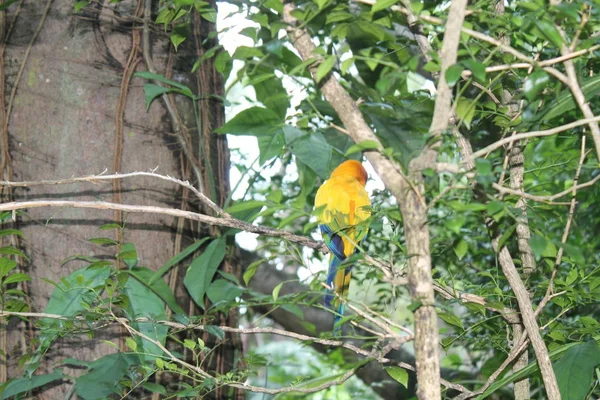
(342, 207)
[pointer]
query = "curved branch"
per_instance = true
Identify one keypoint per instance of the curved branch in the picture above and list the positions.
(101, 177)
(226, 222)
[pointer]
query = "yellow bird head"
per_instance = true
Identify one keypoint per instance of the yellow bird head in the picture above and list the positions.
(351, 168)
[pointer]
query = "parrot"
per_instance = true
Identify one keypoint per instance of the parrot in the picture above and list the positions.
(342, 207)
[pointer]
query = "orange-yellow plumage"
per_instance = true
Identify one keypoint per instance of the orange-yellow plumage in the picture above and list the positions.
(342, 209)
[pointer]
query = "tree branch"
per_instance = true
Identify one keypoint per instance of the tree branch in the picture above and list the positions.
(520, 136)
(205, 219)
(102, 177)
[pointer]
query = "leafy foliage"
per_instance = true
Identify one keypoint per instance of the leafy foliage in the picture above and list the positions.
(372, 51)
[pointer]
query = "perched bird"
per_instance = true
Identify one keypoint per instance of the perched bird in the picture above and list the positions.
(342, 207)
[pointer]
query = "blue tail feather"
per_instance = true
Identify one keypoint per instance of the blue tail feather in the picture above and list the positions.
(337, 328)
(333, 267)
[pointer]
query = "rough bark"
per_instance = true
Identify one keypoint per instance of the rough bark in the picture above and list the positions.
(64, 121)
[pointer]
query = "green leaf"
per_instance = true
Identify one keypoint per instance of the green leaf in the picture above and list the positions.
(103, 376)
(382, 5)
(6, 232)
(255, 121)
(538, 245)
(274, 5)
(179, 35)
(575, 253)
(6, 265)
(461, 249)
(18, 277)
(451, 319)
(107, 227)
(74, 290)
(483, 166)
(465, 110)
(456, 222)
(399, 374)
(245, 52)
(76, 7)
(159, 287)
(478, 70)
(103, 241)
(157, 77)
(222, 290)
(202, 269)
(276, 291)
(550, 32)
(128, 254)
(314, 151)
(311, 383)
(362, 146)
(495, 207)
(6, 4)
(572, 276)
(575, 370)
(251, 270)
(177, 259)
(245, 205)
(155, 388)
(270, 145)
(131, 343)
(269, 88)
(453, 74)
(23, 385)
(145, 303)
(215, 331)
(189, 344)
(324, 68)
(404, 129)
(152, 91)
(10, 250)
(535, 84)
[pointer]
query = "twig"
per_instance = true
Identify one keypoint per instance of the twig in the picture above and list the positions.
(549, 198)
(206, 219)
(510, 315)
(545, 63)
(101, 177)
(520, 136)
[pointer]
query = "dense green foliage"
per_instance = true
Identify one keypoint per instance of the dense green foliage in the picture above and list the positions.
(376, 57)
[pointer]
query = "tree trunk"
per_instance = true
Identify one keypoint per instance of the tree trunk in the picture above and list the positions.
(71, 108)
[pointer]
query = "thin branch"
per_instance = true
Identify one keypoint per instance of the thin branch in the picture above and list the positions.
(520, 136)
(206, 219)
(545, 63)
(574, 188)
(510, 315)
(102, 177)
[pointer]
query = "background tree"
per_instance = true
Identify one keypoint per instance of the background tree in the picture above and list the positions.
(489, 202)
